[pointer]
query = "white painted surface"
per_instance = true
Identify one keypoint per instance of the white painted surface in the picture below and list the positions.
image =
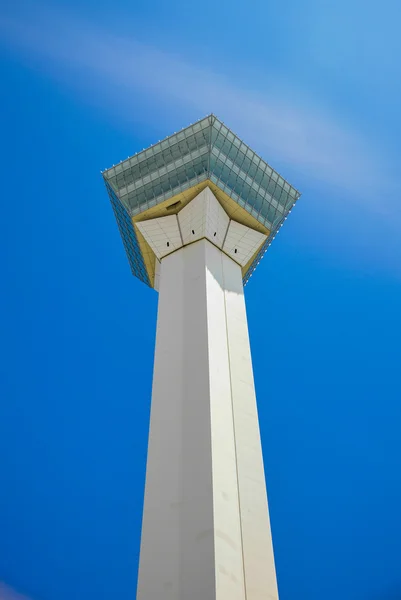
(204, 217)
(206, 533)
(242, 242)
(162, 234)
(260, 573)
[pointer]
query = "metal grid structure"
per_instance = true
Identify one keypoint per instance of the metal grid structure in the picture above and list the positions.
(206, 150)
(129, 237)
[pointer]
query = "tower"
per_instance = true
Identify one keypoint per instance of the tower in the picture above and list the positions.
(197, 211)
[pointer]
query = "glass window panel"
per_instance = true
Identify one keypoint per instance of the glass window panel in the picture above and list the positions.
(252, 170)
(251, 197)
(238, 186)
(174, 181)
(240, 159)
(271, 187)
(270, 213)
(246, 164)
(284, 199)
(225, 173)
(226, 147)
(265, 180)
(233, 154)
(258, 176)
(258, 203)
(219, 141)
(246, 190)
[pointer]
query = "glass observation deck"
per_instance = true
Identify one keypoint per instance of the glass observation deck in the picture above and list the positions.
(205, 153)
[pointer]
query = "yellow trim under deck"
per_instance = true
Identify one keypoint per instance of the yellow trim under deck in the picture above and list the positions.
(177, 202)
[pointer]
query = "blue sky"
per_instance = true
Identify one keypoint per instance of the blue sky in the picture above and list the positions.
(315, 87)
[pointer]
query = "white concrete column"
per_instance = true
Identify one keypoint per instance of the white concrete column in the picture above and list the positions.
(205, 532)
(257, 547)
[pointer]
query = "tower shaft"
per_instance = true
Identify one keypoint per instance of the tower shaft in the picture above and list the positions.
(197, 212)
(206, 531)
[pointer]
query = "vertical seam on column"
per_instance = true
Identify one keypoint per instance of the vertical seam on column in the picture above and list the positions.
(179, 229)
(222, 246)
(233, 420)
(210, 406)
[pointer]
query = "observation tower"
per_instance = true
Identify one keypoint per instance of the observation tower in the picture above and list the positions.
(197, 212)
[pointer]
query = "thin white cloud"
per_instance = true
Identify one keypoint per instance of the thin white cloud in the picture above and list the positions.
(8, 593)
(297, 133)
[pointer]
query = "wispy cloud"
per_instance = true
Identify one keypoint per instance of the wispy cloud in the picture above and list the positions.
(8, 593)
(297, 133)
